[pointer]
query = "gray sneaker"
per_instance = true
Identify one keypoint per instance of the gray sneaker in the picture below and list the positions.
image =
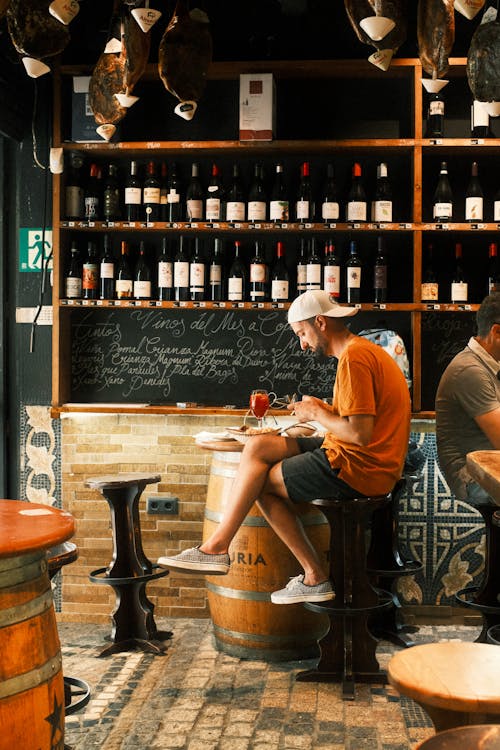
(193, 560)
(298, 591)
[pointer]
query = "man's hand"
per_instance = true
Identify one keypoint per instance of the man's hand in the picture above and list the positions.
(356, 429)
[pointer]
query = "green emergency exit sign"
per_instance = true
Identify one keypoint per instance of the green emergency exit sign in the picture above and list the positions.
(35, 247)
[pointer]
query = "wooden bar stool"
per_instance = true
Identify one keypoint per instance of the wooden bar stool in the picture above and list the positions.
(480, 737)
(456, 683)
(348, 649)
(486, 598)
(129, 570)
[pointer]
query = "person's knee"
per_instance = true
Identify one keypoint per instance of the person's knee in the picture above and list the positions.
(259, 448)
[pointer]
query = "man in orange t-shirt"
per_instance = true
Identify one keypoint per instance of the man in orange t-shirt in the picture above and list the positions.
(362, 452)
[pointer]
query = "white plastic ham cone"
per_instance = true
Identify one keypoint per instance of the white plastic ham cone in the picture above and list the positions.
(492, 108)
(382, 58)
(469, 8)
(35, 68)
(127, 100)
(64, 10)
(186, 109)
(434, 85)
(114, 46)
(106, 131)
(377, 26)
(146, 17)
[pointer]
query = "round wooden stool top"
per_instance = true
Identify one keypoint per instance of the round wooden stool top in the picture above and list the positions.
(28, 527)
(454, 676)
(116, 481)
(479, 737)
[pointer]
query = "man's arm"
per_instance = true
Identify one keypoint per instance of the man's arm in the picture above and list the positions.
(356, 429)
(489, 423)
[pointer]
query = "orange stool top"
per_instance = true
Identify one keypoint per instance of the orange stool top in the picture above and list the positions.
(28, 527)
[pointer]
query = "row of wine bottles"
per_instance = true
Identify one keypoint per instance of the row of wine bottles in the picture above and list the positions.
(188, 274)
(159, 195)
(436, 118)
(443, 202)
(433, 288)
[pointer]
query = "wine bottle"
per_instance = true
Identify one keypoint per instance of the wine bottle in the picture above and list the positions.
(479, 121)
(435, 116)
(235, 203)
(280, 281)
(302, 266)
(90, 273)
(257, 203)
(133, 194)
(356, 199)
(380, 273)
(197, 273)
(214, 197)
(279, 206)
(165, 280)
(259, 274)
(151, 194)
(174, 205)
(443, 197)
(353, 274)
(382, 205)
(493, 269)
(181, 272)
(314, 268)
(304, 206)
(107, 271)
(236, 280)
(459, 286)
(474, 197)
(93, 195)
(496, 206)
(194, 196)
(163, 192)
(331, 271)
(429, 291)
(74, 203)
(123, 281)
(330, 202)
(73, 278)
(142, 288)
(111, 195)
(216, 276)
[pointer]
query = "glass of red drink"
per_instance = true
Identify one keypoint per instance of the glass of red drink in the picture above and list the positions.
(259, 404)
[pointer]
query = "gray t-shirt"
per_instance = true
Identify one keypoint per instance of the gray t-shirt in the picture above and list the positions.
(469, 387)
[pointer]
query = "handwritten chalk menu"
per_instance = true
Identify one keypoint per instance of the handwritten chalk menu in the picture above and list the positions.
(443, 336)
(211, 357)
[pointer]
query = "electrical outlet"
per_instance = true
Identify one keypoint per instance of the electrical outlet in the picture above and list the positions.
(162, 506)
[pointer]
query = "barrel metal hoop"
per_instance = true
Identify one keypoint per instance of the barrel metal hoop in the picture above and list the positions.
(259, 638)
(33, 569)
(307, 520)
(252, 596)
(26, 611)
(31, 679)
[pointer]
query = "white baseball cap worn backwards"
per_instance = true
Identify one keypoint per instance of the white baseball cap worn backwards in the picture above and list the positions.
(317, 302)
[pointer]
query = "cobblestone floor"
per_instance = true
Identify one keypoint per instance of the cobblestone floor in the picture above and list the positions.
(197, 698)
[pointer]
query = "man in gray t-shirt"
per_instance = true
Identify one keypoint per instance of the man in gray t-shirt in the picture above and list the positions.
(468, 403)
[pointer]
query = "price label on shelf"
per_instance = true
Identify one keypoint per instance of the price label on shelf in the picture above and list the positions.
(433, 307)
(379, 306)
(442, 226)
(71, 223)
(436, 141)
(283, 226)
(476, 141)
(477, 226)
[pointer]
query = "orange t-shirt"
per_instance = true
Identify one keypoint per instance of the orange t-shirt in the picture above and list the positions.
(369, 381)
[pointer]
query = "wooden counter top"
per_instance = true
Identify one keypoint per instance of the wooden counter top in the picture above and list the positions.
(484, 468)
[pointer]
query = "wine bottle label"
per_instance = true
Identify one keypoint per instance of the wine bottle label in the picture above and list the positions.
(111, 203)
(353, 277)
(133, 196)
(91, 207)
(279, 211)
(163, 197)
(493, 286)
(151, 195)
(313, 276)
(173, 196)
(181, 274)
(142, 289)
(165, 274)
(235, 211)
(436, 108)
(107, 270)
(429, 291)
(356, 211)
(194, 209)
(123, 288)
(215, 274)
(235, 289)
(74, 201)
(330, 211)
(301, 277)
(443, 211)
(212, 209)
(197, 277)
(256, 211)
(257, 273)
(496, 211)
(382, 211)
(380, 277)
(459, 291)
(331, 280)
(89, 276)
(474, 209)
(73, 288)
(302, 210)
(279, 289)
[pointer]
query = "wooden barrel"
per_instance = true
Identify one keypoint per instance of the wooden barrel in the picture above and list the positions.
(31, 680)
(246, 623)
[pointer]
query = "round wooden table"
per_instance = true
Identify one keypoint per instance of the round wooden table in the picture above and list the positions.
(31, 680)
(456, 683)
(480, 737)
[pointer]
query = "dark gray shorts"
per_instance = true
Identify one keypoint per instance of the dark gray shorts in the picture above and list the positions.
(309, 475)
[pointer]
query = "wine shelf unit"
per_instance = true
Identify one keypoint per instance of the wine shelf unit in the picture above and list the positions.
(411, 152)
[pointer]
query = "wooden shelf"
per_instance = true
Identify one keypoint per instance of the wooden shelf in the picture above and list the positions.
(222, 226)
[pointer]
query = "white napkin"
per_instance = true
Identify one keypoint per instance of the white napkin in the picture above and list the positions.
(208, 437)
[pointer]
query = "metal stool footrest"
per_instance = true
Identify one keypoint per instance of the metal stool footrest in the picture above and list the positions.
(409, 568)
(386, 601)
(100, 576)
(460, 596)
(82, 689)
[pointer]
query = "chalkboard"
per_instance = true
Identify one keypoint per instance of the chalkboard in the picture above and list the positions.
(443, 336)
(211, 357)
